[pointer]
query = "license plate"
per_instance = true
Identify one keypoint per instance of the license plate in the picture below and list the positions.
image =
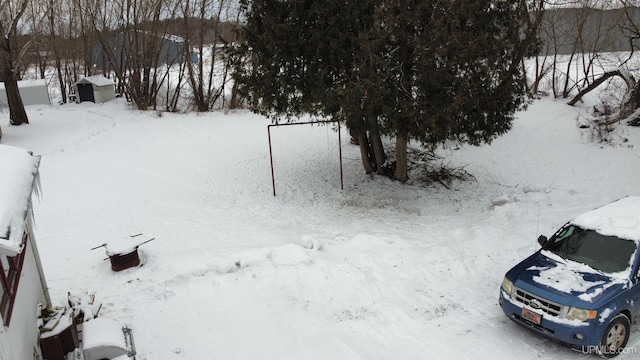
(531, 316)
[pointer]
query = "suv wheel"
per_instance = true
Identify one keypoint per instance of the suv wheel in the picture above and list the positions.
(615, 337)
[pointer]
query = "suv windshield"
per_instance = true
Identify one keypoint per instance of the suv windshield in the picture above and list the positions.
(608, 254)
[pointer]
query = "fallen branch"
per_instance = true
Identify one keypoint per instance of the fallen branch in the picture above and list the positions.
(597, 83)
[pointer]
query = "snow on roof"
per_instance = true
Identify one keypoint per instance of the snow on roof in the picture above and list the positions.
(174, 38)
(28, 83)
(620, 218)
(18, 171)
(97, 80)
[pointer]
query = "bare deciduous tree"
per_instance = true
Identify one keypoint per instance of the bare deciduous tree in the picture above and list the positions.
(133, 39)
(578, 35)
(206, 35)
(56, 34)
(10, 14)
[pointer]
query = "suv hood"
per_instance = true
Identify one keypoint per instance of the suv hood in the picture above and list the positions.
(564, 281)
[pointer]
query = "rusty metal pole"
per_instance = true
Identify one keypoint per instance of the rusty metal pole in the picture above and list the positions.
(340, 154)
(273, 178)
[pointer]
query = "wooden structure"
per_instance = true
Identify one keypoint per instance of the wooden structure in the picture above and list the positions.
(59, 337)
(123, 253)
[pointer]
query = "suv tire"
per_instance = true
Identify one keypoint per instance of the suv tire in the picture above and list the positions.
(615, 337)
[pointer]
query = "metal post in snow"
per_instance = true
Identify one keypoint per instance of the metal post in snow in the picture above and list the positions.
(273, 178)
(340, 155)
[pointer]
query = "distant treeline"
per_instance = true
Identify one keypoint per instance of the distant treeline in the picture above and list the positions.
(572, 30)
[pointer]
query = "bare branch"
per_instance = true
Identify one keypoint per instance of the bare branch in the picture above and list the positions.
(597, 83)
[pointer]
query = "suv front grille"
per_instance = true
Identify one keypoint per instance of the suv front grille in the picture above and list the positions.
(545, 305)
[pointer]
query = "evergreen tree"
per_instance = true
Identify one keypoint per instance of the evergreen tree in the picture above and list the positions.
(453, 70)
(424, 70)
(304, 57)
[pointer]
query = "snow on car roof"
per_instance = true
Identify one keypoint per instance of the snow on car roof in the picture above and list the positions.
(620, 218)
(18, 169)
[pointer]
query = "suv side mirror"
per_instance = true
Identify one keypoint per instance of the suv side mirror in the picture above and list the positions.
(542, 240)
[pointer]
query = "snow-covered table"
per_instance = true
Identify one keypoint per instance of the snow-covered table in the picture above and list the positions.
(123, 253)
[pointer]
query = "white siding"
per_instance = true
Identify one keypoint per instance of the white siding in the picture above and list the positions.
(22, 336)
(103, 94)
(32, 92)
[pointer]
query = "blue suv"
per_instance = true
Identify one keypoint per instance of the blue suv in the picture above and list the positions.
(582, 287)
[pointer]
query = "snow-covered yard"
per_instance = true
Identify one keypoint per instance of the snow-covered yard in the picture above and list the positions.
(379, 270)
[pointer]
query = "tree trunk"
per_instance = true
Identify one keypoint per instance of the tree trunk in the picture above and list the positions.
(56, 52)
(17, 114)
(401, 173)
(632, 101)
(235, 102)
(63, 90)
(378, 151)
(365, 151)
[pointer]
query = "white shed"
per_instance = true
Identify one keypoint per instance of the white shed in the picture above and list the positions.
(32, 92)
(97, 89)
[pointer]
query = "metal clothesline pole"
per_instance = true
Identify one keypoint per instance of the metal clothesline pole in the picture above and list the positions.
(273, 178)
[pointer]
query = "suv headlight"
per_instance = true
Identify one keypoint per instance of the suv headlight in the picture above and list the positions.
(581, 314)
(507, 286)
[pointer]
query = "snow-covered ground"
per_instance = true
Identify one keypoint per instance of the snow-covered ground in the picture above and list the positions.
(379, 270)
